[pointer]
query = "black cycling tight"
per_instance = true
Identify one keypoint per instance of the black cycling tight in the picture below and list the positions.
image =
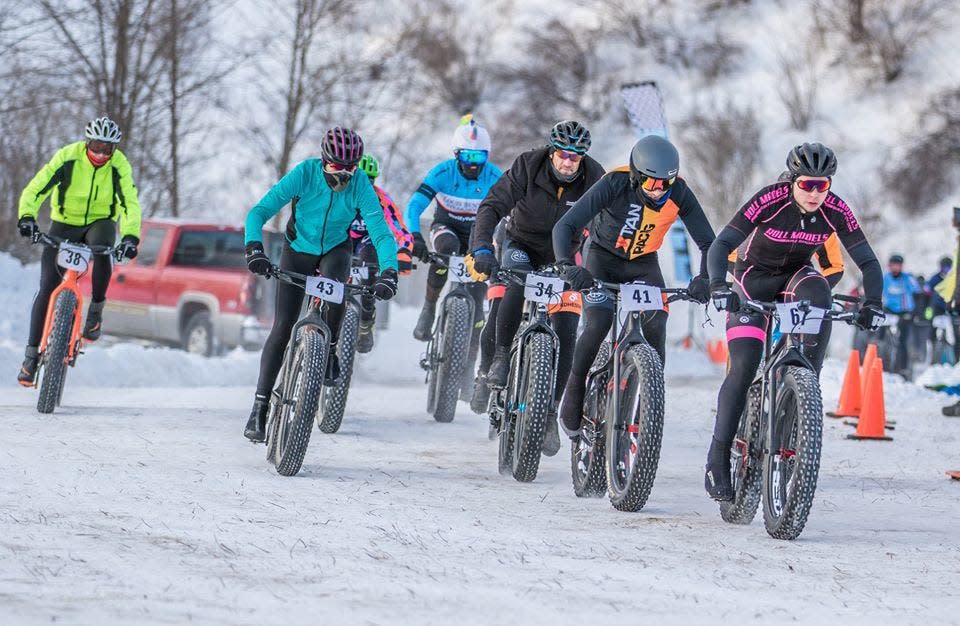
(334, 264)
(100, 233)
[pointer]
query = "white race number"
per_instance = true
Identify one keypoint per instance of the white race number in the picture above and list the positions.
(73, 257)
(545, 289)
(795, 321)
(457, 269)
(636, 297)
(325, 289)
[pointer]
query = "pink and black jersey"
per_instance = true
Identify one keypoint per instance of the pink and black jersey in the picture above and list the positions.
(781, 238)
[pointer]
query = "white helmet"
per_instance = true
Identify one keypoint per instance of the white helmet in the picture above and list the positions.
(103, 129)
(470, 136)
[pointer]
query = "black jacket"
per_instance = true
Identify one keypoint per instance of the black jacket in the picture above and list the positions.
(534, 200)
(628, 226)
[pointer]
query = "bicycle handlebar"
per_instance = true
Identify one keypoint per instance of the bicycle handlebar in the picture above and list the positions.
(300, 280)
(767, 308)
(54, 242)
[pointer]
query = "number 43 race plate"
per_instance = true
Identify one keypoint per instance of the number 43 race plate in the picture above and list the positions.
(325, 289)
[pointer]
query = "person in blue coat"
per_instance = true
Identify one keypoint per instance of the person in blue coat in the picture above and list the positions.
(325, 197)
(457, 186)
(899, 288)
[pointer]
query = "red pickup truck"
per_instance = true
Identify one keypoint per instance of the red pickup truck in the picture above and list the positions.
(189, 286)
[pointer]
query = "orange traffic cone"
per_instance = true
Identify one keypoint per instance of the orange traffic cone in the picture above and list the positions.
(873, 414)
(954, 474)
(717, 351)
(868, 358)
(851, 392)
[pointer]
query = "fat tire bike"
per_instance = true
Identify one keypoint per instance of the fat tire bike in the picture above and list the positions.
(62, 340)
(520, 409)
(618, 450)
(335, 396)
(447, 355)
(296, 400)
(775, 454)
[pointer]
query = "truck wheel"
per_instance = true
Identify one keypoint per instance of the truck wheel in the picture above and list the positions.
(198, 335)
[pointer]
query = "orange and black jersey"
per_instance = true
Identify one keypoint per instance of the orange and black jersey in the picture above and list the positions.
(627, 223)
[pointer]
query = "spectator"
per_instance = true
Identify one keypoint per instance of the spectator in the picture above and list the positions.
(899, 288)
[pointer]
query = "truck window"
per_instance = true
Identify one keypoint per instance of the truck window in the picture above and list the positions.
(210, 248)
(150, 246)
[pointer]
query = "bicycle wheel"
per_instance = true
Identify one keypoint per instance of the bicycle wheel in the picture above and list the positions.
(56, 354)
(454, 344)
(302, 391)
(791, 466)
(633, 437)
(586, 451)
(746, 461)
(505, 436)
(535, 395)
(335, 397)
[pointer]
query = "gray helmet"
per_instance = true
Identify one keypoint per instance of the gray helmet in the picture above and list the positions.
(812, 159)
(570, 135)
(654, 157)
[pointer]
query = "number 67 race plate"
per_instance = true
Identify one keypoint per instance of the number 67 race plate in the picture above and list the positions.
(545, 289)
(795, 321)
(325, 289)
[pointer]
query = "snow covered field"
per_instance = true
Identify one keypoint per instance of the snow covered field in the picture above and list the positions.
(144, 504)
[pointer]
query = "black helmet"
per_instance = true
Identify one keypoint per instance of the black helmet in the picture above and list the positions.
(570, 135)
(812, 159)
(946, 262)
(654, 157)
(895, 258)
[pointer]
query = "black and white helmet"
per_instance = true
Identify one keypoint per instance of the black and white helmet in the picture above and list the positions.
(570, 135)
(812, 159)
(103, 129)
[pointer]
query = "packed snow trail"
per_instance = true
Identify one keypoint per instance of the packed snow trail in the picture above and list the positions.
(146, 505)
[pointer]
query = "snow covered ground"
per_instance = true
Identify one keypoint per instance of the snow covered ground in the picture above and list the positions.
(139, 501)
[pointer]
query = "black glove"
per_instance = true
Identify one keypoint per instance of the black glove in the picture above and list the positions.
(386, 285)
(404, 262)
(870, 317)
(580, 278)
(482, 264)
(420, 247)
(27, 226)
(724, 298)
(257, 261)
(699, 289)
(128, 246)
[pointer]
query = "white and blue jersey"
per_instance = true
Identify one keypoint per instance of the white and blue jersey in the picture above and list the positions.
(457, 197)
(898, 292)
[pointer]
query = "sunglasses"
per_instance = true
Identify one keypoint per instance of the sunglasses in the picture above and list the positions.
(567, 155)
(101, 147)
(339, 167)
(649, 183)
(812, 184)
(472, 157)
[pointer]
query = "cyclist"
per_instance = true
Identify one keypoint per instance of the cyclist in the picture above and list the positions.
(90, 185)
(457, 186)
(938, 306)
(364, 249)
(632, 208)
(325, 196)
(541, 185)
(899, 288)
(785, 222)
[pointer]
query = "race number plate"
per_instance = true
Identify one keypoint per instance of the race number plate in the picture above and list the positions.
(75, 258)
(545, 289)
(458, 270)
(325, 289)
(359, 272)
(794, 321)
(634, 297)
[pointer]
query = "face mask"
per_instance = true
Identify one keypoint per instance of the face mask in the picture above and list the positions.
(97, 159)
(562, 178)
(337, 181)
(470, 172)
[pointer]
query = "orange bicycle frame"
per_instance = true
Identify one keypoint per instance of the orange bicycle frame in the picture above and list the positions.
(69, 282)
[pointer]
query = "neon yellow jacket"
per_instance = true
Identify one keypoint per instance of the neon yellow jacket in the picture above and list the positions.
(81, 193)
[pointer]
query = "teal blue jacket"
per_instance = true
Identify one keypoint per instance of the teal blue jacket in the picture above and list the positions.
(320, 218)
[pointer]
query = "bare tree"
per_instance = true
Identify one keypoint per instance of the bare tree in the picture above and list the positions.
(799, 70)
(721, 151)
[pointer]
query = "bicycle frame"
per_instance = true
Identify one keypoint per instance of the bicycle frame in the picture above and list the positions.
(460, 290)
